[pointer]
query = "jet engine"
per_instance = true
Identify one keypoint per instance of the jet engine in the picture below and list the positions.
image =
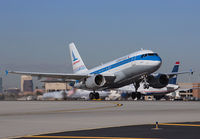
(95, 81)
(158, 81)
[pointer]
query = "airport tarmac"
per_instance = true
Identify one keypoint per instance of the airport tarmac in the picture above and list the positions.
(26, 118)
(163, 131)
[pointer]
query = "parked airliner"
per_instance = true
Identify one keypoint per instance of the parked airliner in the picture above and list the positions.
(132, 68)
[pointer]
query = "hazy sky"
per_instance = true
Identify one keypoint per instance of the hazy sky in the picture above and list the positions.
(34, 34)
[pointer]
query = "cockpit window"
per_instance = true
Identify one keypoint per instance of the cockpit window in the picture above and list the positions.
(144, 55)
(150, 54)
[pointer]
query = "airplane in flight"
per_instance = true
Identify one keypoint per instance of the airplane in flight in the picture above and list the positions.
(133, 68)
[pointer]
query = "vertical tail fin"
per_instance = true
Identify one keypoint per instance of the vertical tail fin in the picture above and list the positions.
(77, 62)
(175, 69)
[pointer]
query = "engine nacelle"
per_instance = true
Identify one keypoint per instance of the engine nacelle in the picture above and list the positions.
(95, 82)
(158, 81)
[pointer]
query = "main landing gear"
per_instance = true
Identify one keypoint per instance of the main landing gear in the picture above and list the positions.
(136, 94)
(94, 95)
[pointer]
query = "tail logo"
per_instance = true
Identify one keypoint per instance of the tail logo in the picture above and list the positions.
(73, 56)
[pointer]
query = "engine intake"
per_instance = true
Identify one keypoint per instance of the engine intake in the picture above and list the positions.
(158, 81)
(95, 81)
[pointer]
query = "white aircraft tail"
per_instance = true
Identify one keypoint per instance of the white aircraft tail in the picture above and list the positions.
(77, 62)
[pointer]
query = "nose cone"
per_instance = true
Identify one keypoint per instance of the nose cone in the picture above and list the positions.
(158, 62)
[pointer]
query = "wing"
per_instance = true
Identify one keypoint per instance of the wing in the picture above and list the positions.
(177, 73)
(52, 75)
(64, 76)
(172, 74)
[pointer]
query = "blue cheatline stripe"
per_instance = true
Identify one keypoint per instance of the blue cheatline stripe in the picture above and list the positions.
(135, 58)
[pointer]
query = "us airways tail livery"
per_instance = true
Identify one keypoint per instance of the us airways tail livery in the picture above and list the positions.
(132, 68)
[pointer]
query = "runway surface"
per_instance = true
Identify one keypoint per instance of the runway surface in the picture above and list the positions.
(163, 131)
(23, 118)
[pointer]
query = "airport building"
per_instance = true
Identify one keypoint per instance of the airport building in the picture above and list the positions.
(26, 83)
(55, 85)
(189, 90)
(51, 87)
(196, 90)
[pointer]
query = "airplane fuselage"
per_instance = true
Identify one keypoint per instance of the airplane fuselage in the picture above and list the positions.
(128, 68)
